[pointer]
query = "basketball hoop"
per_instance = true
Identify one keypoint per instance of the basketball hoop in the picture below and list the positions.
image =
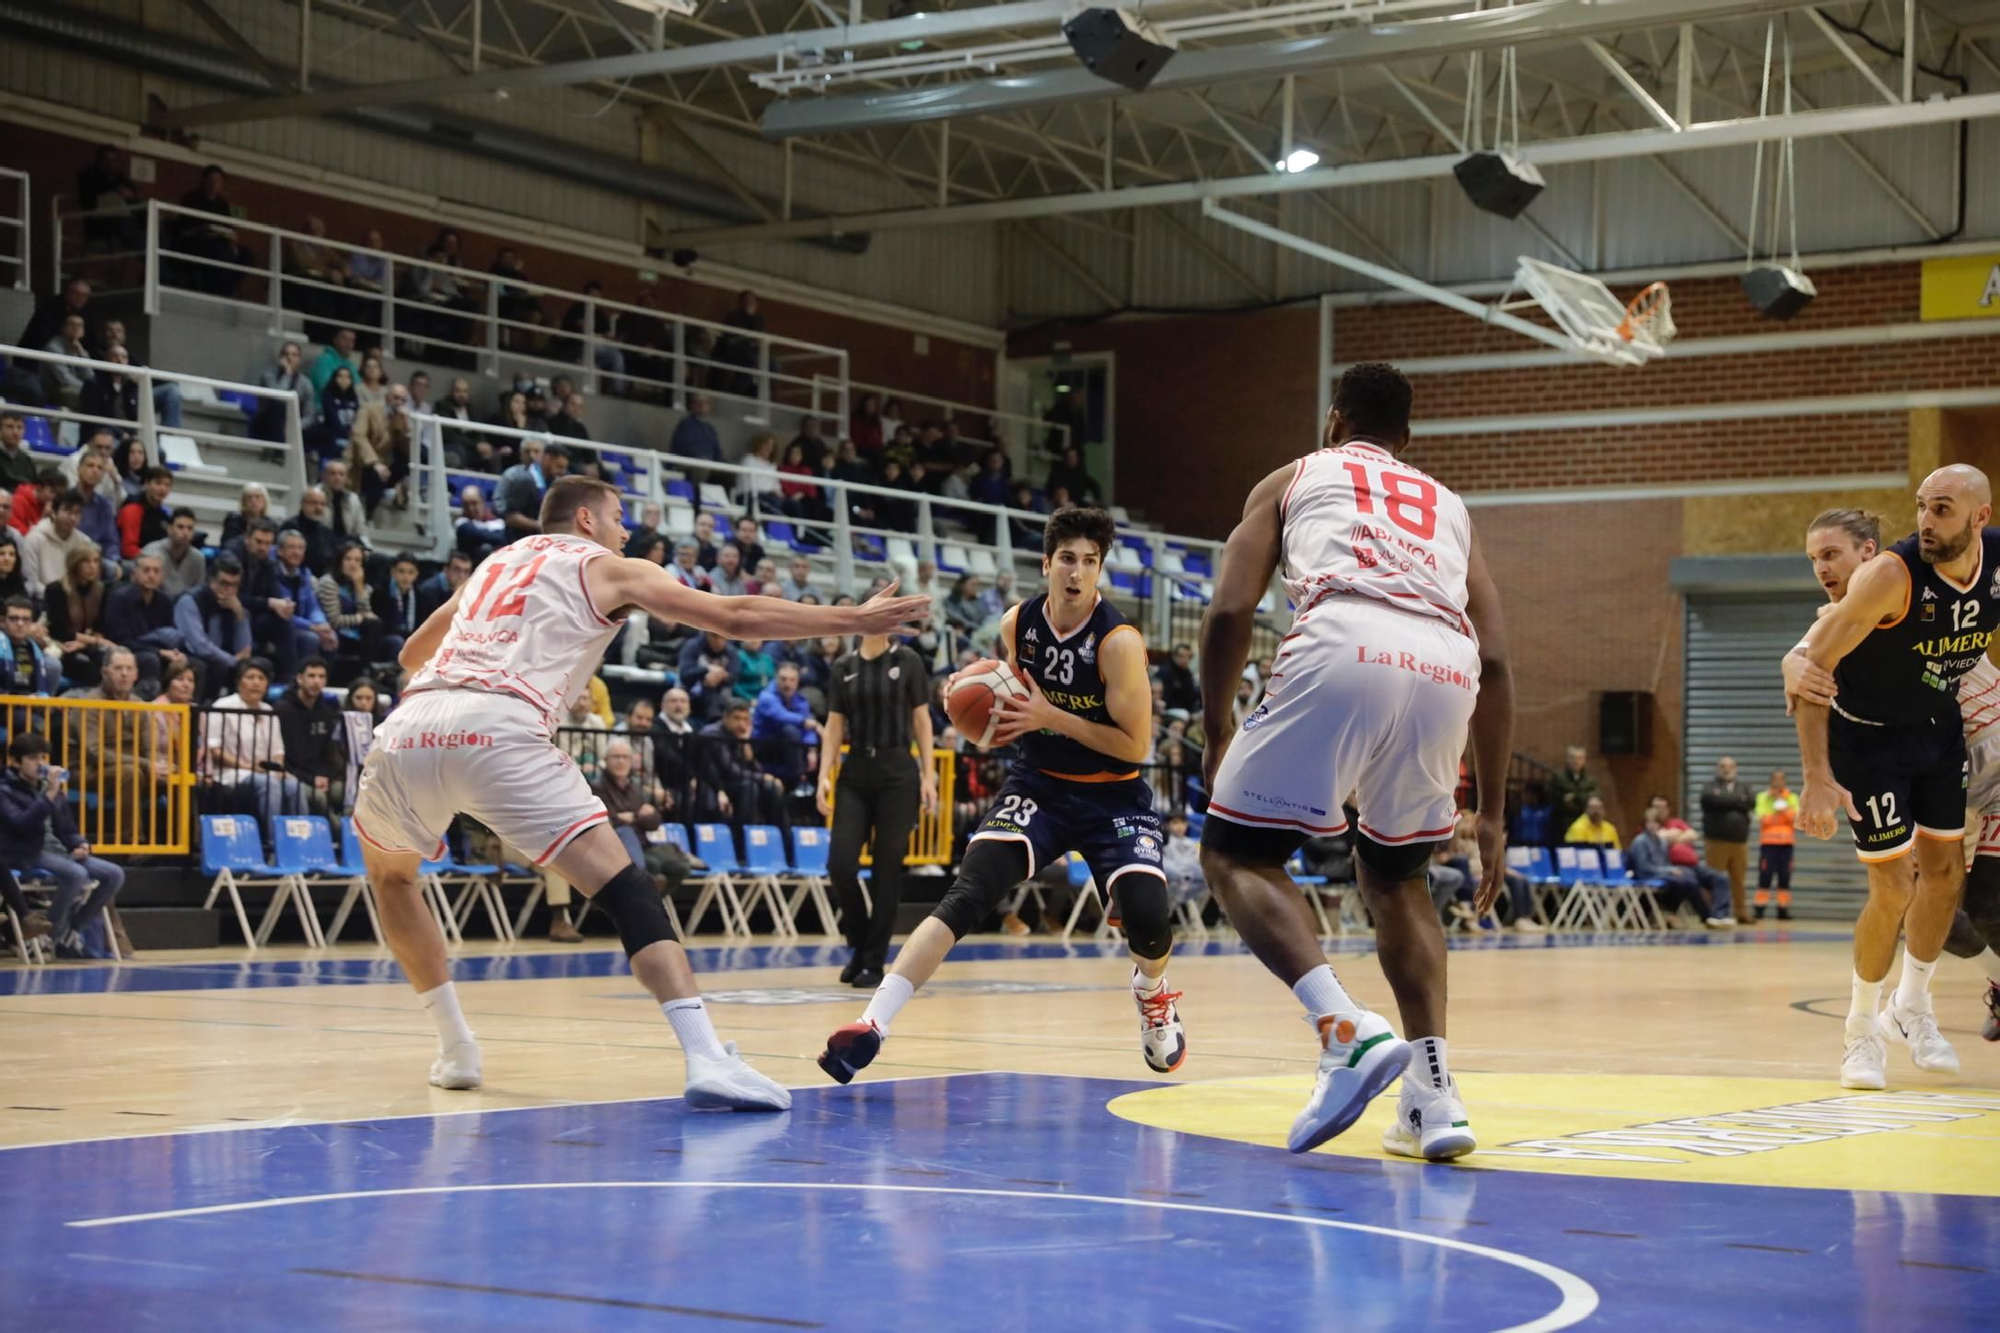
(1649, 317)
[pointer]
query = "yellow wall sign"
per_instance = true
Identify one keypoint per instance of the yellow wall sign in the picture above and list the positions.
(1964, 287)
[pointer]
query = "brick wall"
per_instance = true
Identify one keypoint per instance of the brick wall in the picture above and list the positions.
(877, 352)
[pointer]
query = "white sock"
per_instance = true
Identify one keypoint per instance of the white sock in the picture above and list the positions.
(1991, 962)
(888, 1001)
(1427, 1063)
(1862, 1007)
(442, 1002)
(1321, 993)
(1145, 985)
(1913, 988)
(692, 1029)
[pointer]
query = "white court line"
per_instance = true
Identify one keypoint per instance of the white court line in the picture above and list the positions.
(1579, 1298)
(229, 1126)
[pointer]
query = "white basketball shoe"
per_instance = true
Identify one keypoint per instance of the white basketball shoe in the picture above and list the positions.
(1162, 1039)
(456, 1067)
(730, 1084)
(1430, 1123)
(1866, 1065)
(1929, 1051)
(1359, 1056)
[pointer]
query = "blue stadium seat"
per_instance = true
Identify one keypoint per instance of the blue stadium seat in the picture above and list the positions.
(1124, 582)
(714, 846)
(232, 852)
(41, 436)
(681, 488)
(777, 532)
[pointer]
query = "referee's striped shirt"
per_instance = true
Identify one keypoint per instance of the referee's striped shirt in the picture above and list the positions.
(878, 697)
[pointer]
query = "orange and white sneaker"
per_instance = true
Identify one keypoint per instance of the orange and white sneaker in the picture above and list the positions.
(1161, 1038)
(1359, 1056)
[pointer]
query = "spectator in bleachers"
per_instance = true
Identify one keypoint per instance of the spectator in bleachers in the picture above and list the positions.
(513, 304)
(338, 407)
(810, 442)
(519, 494)
(130, 457)
(247, 753)
(798, 579)
(12, 584)
(743, 348)
(784, 728)
(709, 666)
(1069, 473)
(962, 609)
(214, 242)
(310, 725)
(672, 745)
(480, 530)
(366, 271)
(111, 393)
(74, 608)
(581, 735)
(1573, 789)
(999, 595)
(1591, 828)
(46, 321)
(252, 503)
(214, 624)
(420, 391)
(865, 427)
(186, 567)
(743, 791)
(991, 485)
(436, 590)
(694, 437)
(18, 467)
(756, 666)
(27, 668)
(687, 567)
(285, 376)
(707, 548)
(349, 604)
(637, 806)
(569, 421)
(514, 415)
(297, 586)
(728, 579)
(310, 522)
(127, 751)
(340, 352)
(380, 449)
(45, 550)
(99, 519)
(115, 219)
(804, 497)
(310, 256)
(139, 616)
(460, 448)
(144, 518)
(761, 481)
(346, 516)
(34, 813)
(1683, 844)
(270, 610)
(1181, 689)
(1726, 807)
(1698, 885)
(64, 383)
(101, 443)
(397, 602)
(371, 383)
(750, 541)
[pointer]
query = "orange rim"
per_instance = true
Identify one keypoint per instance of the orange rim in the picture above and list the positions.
(1642, 309)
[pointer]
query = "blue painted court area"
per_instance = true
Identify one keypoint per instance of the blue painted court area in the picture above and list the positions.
(709, 960)
(984, 1201)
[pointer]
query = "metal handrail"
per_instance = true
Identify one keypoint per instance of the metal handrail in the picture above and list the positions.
(148, 425)
(770, 347)
(1017, 456)
(21, 222)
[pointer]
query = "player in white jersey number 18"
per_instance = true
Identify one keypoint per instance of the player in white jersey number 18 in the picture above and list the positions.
(494, 668)
(1395, 651)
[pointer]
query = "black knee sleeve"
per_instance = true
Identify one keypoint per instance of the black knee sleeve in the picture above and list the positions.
(1148, 919)
(991, 867)
(1400, 862)
(634, 906)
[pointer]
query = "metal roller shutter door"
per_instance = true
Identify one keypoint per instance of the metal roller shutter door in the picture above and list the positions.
(1733, 704)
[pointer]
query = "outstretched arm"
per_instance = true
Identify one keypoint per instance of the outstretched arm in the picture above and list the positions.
(1248, 560)
(621, 582)
(1879, 589)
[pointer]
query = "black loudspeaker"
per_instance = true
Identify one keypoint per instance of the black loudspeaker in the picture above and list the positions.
(1625, 722)
(1778, 292)
(1118, 46)
(1498, 182)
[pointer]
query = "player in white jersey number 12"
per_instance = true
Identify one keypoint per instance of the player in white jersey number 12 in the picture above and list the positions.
(496, 667)
(1395, 650)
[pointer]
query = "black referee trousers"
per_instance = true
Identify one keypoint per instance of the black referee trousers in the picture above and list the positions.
(877, 794)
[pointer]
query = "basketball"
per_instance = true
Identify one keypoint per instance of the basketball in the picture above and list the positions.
(969, 702)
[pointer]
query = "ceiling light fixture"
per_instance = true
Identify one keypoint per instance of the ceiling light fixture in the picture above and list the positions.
(1299, 159)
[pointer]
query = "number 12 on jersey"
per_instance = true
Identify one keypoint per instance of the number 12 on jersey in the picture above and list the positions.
(514, 599)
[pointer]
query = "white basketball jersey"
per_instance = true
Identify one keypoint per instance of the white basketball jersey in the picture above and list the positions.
(1979, 702)
(1358, 522)
(526, 626)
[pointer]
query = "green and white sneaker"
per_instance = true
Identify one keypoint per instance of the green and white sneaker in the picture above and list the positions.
(1429, 1123)
(1359, 1056)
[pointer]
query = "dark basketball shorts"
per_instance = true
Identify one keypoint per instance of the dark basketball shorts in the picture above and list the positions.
(1110, 824)
(1908, 781)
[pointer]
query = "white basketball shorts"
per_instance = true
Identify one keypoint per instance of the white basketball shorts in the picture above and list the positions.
(1367, 703)
(449, 752)
(1982, 794)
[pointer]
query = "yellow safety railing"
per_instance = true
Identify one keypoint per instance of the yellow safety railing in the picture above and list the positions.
(930, 840)
(131, 778)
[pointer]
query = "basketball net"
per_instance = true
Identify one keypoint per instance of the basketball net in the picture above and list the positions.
(1649, 317)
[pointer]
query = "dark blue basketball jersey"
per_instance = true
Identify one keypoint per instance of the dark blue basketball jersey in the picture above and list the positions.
(1907, 669)
(1066, 667)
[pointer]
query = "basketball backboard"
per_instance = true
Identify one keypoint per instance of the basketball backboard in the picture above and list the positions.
(1597, 322)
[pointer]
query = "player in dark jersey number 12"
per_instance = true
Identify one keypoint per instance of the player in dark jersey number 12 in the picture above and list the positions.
(1887, 745)
(1084, 730)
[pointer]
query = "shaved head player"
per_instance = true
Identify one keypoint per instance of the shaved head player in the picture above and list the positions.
(495, 669)
(1889, 748)
(1397, 648)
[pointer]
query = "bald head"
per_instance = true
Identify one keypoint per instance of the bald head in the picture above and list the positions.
(1953, 505)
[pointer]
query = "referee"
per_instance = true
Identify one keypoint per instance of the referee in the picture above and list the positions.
(877, 699)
